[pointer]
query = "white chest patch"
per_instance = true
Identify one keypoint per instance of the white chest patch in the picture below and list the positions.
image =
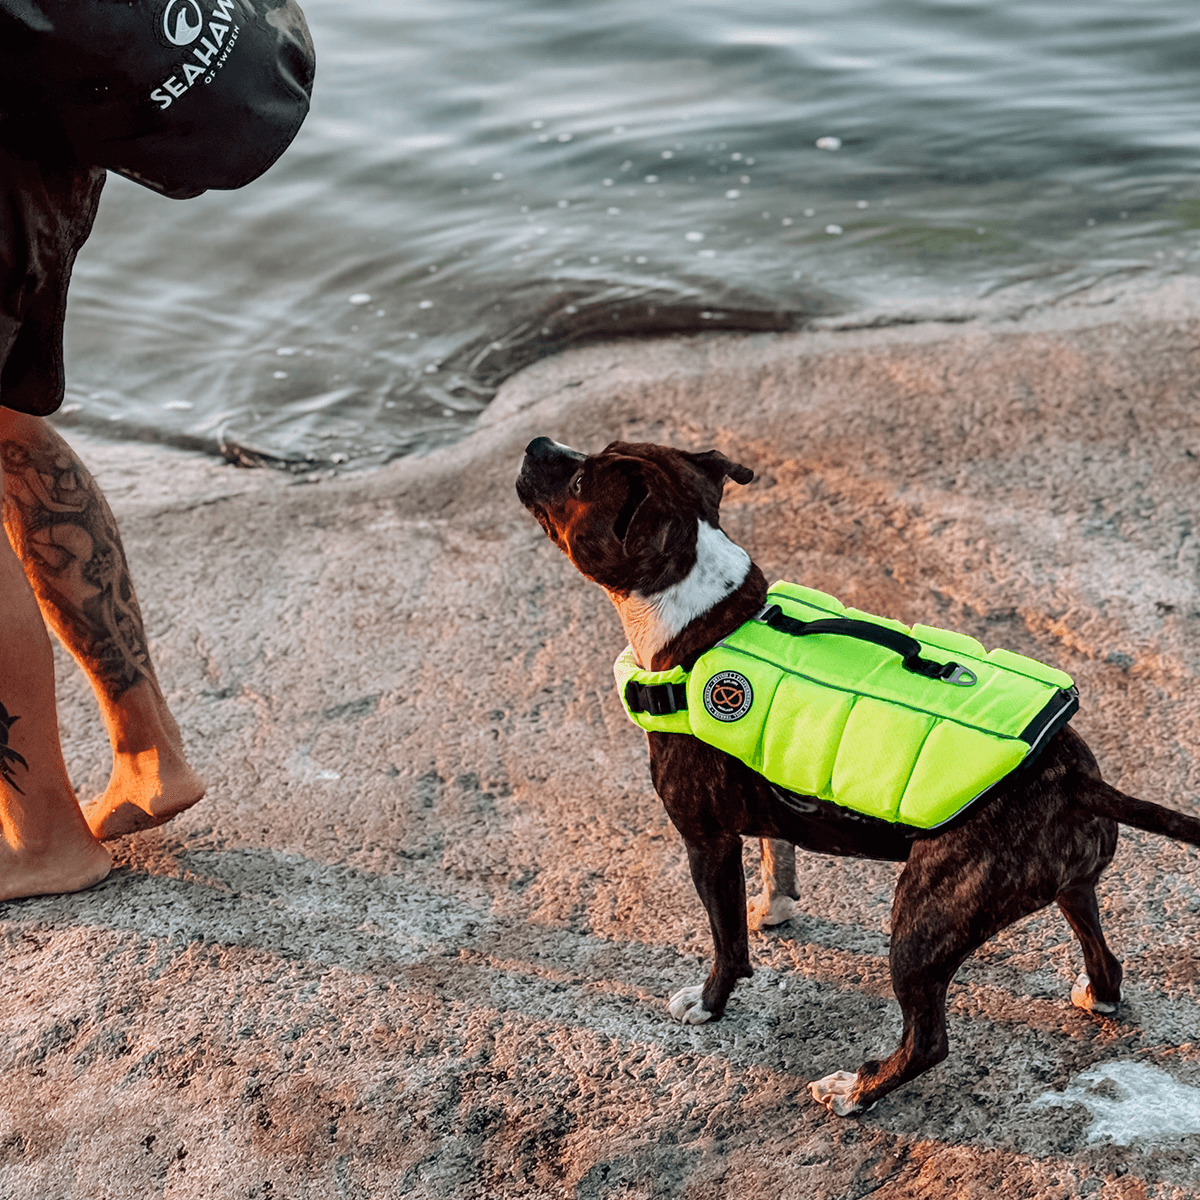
(650, 622)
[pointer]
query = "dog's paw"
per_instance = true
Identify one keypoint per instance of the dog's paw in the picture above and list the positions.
(1083, 995)
(834, 1092)
(687, 1005)
(763, 913)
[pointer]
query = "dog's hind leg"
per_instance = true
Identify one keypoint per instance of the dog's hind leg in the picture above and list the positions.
(923, 1043)
(940, 916)
(717, 873)
(777, 903)
(1098, 989)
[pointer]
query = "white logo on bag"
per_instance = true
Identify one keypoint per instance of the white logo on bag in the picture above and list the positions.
(205, 59)
(180, 30)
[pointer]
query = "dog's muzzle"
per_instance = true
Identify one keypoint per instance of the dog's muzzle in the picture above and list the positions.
(546, 469)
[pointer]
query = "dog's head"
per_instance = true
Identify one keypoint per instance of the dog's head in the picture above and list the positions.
(627, 517)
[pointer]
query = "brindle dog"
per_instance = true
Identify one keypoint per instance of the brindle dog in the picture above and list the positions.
(642, 522)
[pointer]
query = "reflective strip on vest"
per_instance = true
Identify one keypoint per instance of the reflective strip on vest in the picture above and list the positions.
(840, 719)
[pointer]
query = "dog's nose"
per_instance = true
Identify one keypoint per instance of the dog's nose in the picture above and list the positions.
(544, 447)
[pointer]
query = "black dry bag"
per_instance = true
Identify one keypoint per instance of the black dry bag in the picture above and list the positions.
(178, 95)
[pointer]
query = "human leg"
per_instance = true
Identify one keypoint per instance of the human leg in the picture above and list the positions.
(66, 538)
(45, 844)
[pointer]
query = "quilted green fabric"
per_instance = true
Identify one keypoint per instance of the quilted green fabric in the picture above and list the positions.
(841, 719)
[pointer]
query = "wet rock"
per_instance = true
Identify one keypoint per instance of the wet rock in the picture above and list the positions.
(419, 937)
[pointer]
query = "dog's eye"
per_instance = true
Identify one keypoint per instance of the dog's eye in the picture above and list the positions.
(577, 484)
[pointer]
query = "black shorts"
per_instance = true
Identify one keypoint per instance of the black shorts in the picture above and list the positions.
(178, 95)
(46, 213)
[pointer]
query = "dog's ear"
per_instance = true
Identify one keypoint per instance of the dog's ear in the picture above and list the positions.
(650, 517)
(717, 466)
(635, 498)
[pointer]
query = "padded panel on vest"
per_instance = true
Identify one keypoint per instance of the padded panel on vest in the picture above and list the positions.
(876, 755)
(741, 738)
(947, 639)
(998, 702)
(801, 740)
(948, 772)
(1032, 668)
(823, 602)
(834, 659)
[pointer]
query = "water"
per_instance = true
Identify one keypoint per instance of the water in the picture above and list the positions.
(1131, 1103)
(482, 182)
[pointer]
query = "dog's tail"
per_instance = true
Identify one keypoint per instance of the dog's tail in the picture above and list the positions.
(1106, 801)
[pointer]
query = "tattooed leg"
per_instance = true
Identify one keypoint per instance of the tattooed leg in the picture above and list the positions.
(66, 538)
(10, 759)
(45, 844)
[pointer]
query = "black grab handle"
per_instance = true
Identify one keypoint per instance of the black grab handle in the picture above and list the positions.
(907, 647)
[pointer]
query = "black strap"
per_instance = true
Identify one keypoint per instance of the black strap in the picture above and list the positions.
(663, 699)
(657, 699)
(907, 647)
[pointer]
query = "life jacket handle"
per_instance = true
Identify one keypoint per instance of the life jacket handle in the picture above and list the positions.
(907, 647)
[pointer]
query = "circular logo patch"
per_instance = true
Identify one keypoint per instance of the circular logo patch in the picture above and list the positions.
(182, 21)
(728, 696)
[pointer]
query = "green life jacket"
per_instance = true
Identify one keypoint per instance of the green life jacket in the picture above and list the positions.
(907, 725)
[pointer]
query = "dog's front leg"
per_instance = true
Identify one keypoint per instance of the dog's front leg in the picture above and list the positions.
(717, 873)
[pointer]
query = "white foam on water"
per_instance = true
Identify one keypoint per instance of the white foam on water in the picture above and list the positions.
(770, 37)
(1131, 1102)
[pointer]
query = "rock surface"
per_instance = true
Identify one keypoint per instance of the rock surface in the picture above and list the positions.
(417, 940)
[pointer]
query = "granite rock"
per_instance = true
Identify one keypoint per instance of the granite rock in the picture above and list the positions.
(418, 938)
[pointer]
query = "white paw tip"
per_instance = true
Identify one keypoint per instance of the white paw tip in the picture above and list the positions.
(686, 1006)
(834, 1093)
(780, 910)
(1082, 996)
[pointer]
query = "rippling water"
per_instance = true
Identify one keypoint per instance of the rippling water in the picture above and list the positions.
(482, 182)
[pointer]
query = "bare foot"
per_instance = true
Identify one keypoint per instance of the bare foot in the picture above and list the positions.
(151, 780)
(71, 862)
(144, 791)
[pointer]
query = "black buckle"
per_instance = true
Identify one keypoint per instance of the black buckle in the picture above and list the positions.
(657, 699)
